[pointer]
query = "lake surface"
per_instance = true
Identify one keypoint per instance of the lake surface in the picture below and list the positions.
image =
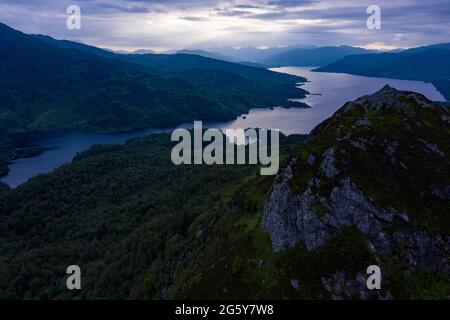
(329, 91)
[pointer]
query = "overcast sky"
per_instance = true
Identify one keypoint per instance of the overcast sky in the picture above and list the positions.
(177, 24)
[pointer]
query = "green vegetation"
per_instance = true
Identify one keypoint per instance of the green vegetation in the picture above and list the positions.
(422, 286)
(430, 64)
(395, 149)
(141, 227)
(29, 152)
(136, 224)
(405, 180)
(6, 154)
(51, 85)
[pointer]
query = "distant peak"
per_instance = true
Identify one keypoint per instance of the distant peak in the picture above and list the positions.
(387, 89)
(393, 98)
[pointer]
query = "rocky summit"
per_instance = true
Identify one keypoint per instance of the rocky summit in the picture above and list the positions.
(380, 164)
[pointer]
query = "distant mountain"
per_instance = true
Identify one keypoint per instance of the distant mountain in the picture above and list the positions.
(250, 53)
(429, 63)
(49, 84)
(182, 64)
(312, 57)
(218, 56)
(444, 46)
(66, 44)
(138, 51)
(208, 54)
(143, 51)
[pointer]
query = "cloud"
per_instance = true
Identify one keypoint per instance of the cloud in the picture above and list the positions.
(132, 24)
(124, 8)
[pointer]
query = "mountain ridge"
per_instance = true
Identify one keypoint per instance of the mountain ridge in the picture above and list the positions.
(54, 84)
(429, 63)
(313, 57)
(379, 164)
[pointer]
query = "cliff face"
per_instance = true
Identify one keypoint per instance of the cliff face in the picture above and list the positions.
(380, 164)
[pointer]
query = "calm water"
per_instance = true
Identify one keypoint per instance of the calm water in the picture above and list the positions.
(329, 92)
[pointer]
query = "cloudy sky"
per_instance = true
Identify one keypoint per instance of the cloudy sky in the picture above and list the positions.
(177, 24)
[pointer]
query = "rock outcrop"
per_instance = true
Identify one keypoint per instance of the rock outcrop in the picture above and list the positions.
(347, 175)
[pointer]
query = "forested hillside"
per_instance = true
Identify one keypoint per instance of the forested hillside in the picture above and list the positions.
(137, 225)
(69, 86)
(429, 63)
(369, 186)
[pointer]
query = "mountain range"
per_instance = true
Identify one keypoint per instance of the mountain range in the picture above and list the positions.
(427, 63)
(368, 186)
(48, 84)
(250, 53)
(312, 57)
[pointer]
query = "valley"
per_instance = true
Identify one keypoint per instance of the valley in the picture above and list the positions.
(334, 89)
(109, 171)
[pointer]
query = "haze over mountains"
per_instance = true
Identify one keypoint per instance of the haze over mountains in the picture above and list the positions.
(277, 57)
(281, 57)
(427, 63)
(250, 53)
(312, 57)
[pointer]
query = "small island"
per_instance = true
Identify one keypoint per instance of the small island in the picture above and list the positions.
(29, 152)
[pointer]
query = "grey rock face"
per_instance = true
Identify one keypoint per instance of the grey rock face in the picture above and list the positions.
(432, 147)
(443, 193)
(360, 144)
(339, 287)
(390, 150)
(291, 219)
(327, 167)
(362, 123)
(331, 201)
(295, 284)
(389, 96)
(311, 160)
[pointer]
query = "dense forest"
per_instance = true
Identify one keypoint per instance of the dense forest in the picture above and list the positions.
(138, 226)
(48, 85)
(141, 227)
(6, 153)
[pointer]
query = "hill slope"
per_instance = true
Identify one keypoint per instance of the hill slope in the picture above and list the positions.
(48, 84)
(430, 64)
(312, 57)
(374, 185)
(380, 165)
